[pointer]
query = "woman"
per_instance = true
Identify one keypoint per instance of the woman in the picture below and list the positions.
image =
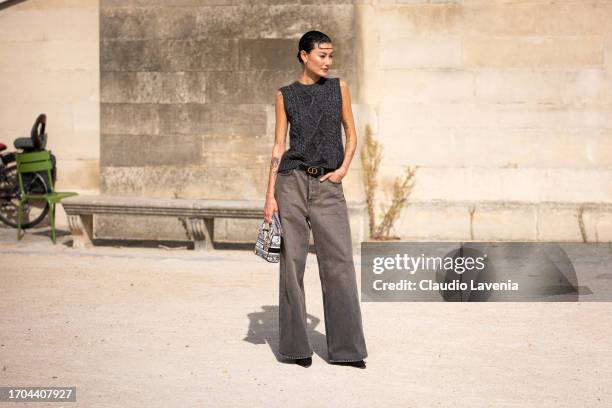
(305, 188)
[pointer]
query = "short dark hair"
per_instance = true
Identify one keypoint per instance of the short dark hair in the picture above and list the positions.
(309, 40)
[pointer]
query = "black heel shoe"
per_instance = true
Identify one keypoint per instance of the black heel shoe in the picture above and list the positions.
(304, 362)
(357, 364)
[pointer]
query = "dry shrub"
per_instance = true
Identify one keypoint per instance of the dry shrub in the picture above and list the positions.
(371, 156)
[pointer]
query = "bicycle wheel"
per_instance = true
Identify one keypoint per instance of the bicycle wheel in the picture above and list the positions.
(34, 211)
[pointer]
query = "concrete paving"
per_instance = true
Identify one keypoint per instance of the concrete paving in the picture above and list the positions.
(167, 327)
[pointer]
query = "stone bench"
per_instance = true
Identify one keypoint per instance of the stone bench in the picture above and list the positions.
(197, 215)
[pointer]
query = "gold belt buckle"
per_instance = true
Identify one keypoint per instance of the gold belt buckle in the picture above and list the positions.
(312, 170)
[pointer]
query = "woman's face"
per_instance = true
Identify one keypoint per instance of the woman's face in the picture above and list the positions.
(320, 58)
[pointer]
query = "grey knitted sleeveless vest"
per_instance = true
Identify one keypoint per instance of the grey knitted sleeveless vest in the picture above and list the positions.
(314, 113)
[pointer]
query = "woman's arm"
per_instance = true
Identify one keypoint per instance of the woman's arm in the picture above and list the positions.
(277, 152)
(348, 122)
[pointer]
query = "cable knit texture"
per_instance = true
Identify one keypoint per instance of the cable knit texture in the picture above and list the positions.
(314, 113)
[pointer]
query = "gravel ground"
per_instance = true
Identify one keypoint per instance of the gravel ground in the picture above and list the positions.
(154, 327)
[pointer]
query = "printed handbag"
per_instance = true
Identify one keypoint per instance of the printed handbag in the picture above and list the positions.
(269, 240)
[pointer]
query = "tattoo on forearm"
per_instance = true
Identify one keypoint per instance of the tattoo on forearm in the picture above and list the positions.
(274, 164)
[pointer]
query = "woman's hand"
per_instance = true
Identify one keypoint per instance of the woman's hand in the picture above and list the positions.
(335, 176)
(269, 209)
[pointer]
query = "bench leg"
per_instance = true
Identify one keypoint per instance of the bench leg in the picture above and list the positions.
(81, 228)
(201, 232)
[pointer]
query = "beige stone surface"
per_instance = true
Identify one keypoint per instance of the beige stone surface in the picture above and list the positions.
(503, 184)
(492, 223)
(434, 220)
(559, 223)
(49, 62)
(153, 327)
(536, 18)
(517, 112)
(598, 224)
(496, 101)
(530, 52)
(420, 52)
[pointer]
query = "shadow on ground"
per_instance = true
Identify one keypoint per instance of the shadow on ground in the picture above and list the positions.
(263, 329)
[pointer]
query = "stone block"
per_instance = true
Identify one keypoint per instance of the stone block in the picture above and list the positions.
(608, 53)
(138, 23)
(281, 54)
(227, 149)
(157, 181)
(77, 175)
(210, 53)
(212, 119)
(237, 230)
(240, 119)
(203, 3)
(169, 119)
(421, 52)
(185, 182)
(118, 55)
(66, 86)
(532, 52)
(553, 116)
(518, 115)
(53, 24)
(236, 182)
(500, 184)
(260, 20)
(164, 3)
(185, 118)
(153, 87)
(139, 227)
(504, 223)
(394, 115)
(558, 223)
(433, 221)
(520, 147)
(174, 22)
(254, 87)
(57, 4)
(86, 125)
(554, 86)
(151, 150)
(123, 181)
(598, 223)
(267, 54)
(63, 145)
(523, 18)
(170, 55)
(401, 19)
(130, 119)
(17, 118)
(425, 86)
(58, 55)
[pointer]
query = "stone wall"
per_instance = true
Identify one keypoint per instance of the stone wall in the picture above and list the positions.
(49, 63)
(187, 98)
(505, 106)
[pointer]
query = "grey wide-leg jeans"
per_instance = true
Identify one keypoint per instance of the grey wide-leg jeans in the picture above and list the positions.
(303, 203)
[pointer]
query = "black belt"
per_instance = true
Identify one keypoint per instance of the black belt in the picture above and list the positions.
(315, 171)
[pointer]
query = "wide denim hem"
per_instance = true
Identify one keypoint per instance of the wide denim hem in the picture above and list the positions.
(296, 357)
(348, 361)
